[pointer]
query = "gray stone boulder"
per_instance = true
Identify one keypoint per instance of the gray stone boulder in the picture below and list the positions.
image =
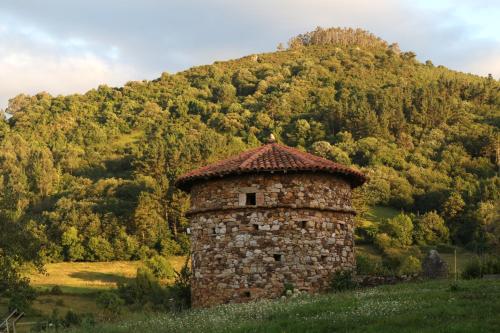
(433, 267)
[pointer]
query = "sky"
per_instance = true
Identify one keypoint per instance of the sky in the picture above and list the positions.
(65, 47)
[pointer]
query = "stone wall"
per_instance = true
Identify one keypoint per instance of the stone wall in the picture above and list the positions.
(310, 190)
(299, 231)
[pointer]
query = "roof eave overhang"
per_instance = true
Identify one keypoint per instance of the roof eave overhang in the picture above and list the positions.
(355, 178)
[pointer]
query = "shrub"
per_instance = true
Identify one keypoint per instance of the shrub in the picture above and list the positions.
(144, 289)
(401, 261)
(180, 291)
(367, 264)
(382, 241)
(478, 267)
(491, 265)
(54, 322)
(410, 265)
(342, 280)
(184, 242)
(160, 267)
(21, 297)
(169, 247)
(110, 302)
(392, 260)
(72, 319)
(472, 270)
(145, 252)
(399, 229)
(56, 290)
(366, 233)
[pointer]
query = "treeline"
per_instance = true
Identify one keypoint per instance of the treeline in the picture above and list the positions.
(342, 37)
(91, 176)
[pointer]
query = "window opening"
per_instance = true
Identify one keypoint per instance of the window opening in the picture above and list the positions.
(251, 199)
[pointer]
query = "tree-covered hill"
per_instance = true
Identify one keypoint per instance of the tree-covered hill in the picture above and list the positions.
(91, 176)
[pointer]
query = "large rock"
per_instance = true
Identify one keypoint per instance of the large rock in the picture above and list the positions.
(434, 267)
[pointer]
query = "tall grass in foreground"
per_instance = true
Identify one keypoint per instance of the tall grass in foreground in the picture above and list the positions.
(470, 306)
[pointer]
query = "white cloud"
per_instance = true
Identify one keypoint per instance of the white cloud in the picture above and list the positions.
(32, 60)
(30, 73)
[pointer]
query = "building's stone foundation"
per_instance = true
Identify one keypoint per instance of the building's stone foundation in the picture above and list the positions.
(299, 230)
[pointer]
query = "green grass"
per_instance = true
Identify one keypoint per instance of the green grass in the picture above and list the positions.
(414, 307)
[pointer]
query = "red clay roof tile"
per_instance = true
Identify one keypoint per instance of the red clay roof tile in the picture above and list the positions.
(269, 158)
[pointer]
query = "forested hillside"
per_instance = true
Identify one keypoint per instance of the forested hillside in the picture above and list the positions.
(90, 177)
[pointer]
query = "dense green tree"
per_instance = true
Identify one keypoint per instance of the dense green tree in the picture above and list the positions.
(453, 205)
(72, 245)
(18, 247)
(488, 217)
(430, 229)
(148, 222)
(99, 249)
(399, 229)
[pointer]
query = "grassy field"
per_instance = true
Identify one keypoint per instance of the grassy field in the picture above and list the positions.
(414, 307)
(84, 277)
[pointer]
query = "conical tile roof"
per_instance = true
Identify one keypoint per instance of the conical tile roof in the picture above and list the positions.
(271, 157)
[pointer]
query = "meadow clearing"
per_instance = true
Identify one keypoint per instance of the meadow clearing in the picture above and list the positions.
(85, 277)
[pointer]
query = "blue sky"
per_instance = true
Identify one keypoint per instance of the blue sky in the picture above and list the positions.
(63, 47)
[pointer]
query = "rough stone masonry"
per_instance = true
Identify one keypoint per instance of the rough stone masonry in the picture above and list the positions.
(287, 220)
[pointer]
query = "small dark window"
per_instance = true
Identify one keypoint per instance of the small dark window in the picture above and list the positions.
(278, 257)
(303, 224)
(251, 199)
(247, 294)
(214, 231)
(323, 258)
(255, 226)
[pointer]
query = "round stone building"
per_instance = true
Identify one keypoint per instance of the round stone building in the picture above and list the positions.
(267, 217)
